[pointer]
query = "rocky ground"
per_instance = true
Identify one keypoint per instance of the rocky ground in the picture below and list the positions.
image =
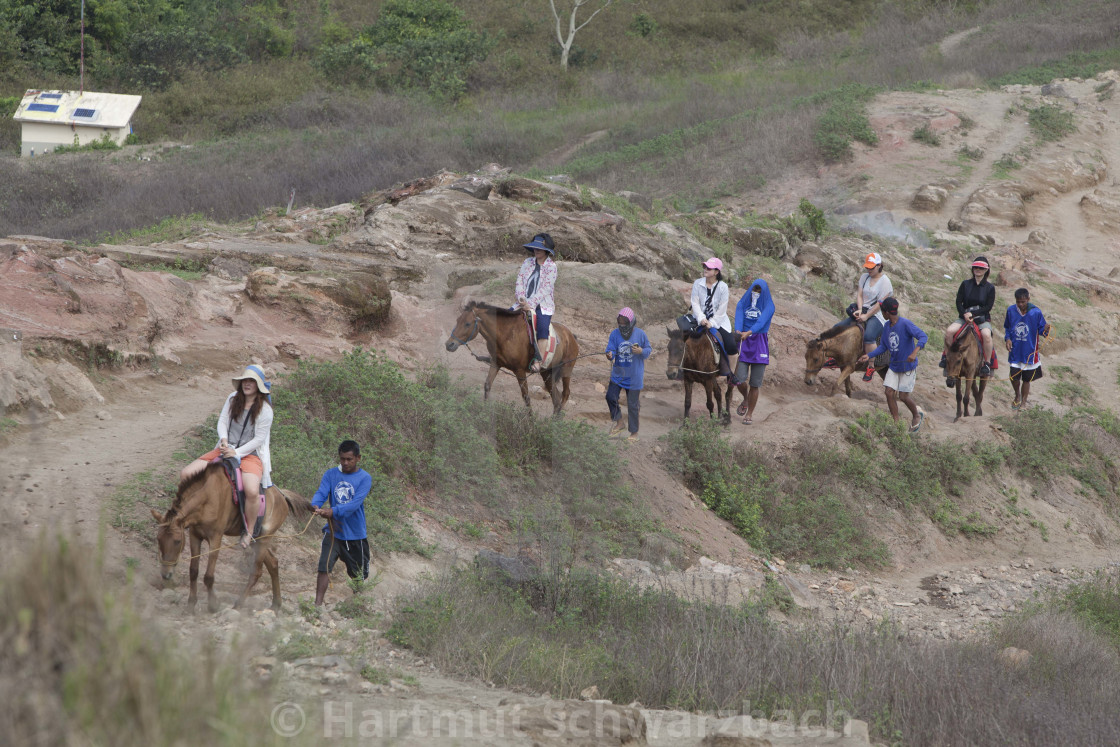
(109, 359)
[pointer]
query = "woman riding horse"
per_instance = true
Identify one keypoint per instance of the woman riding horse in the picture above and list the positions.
(536, 281)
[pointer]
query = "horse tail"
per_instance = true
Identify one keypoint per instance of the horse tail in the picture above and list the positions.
(301, 508)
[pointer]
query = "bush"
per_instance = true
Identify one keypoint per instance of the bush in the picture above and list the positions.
(845, 120)
(415, 44)
(1049, 122)
(925, 134)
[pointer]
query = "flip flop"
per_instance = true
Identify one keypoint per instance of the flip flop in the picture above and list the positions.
(1015, 405)
(746, 421)
(741, 410)
(921, 418)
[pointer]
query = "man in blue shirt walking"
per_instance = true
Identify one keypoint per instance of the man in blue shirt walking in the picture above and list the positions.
(344, 488)
(627, 348)
(903, 339)
(1022, 326)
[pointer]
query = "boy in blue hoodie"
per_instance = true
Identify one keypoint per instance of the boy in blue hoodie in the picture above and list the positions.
(752, 320)
(1022, 326)
(627, 348)
(344, 488)
(903, 339)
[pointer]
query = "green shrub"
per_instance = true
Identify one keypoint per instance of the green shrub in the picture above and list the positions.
(925, 134)
(1049, 122)
(1097, 604)
(415, 44)
(845, 120)
(814, 217)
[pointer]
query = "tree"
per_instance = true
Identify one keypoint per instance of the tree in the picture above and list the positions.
(566, 42)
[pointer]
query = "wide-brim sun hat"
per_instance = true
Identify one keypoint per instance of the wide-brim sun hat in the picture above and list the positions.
(714, 263)
(538, 242)
(256, 373)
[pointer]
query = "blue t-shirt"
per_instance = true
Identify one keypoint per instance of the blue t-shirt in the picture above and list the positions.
(1023, 330)
(900, 338)
(347, 495)
(628, 368)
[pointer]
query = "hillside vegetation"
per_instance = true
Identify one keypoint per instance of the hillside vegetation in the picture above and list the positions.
(335, 99)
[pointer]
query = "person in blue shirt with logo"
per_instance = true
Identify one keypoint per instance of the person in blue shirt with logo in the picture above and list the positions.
(343, 489)
(903, 339)
(1022, 326)
(627, 349)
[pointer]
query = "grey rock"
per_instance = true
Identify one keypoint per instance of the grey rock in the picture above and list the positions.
(475, 186)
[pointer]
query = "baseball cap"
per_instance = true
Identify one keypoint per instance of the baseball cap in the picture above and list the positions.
(714, 263)
(872, 260)
(889, 304)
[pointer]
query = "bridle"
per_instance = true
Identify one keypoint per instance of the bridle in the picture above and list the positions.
(471, 336)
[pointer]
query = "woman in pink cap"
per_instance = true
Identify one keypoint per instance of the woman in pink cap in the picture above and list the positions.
(709, 303)
(975, 299)
(627, 349)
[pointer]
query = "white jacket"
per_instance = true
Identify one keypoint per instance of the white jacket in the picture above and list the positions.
(719, 304)
(258, 444)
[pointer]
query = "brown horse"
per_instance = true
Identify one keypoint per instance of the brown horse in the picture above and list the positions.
(842, 344)
(507, 341)
(204, 507)
(694, 360)
(962, 362)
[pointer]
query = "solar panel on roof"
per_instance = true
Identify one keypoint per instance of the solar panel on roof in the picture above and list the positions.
(50, 95)
(84, 112)
(42, 107)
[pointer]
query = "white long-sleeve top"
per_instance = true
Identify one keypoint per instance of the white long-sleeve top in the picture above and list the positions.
(258, 444)
(543, 295)
(719, 303)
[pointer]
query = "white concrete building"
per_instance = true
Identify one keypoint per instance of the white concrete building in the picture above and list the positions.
(54, 118)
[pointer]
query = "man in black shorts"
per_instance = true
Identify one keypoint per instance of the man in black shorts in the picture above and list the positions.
(344, 488)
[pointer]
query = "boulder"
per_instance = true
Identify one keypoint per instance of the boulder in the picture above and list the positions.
(554, 196)
(998, 205)
(930, 198)
(1101, 208)
(340, 302)
(475, 186)
(572, 722)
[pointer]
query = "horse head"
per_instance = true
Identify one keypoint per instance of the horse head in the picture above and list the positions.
(962, 357)
(169, 537)
(814, 360)
(675, 354)
(466, 328)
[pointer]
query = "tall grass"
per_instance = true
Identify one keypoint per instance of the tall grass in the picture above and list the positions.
(81, 667)
(668, 652)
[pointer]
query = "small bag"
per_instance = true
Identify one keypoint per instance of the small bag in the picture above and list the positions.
(687, 323)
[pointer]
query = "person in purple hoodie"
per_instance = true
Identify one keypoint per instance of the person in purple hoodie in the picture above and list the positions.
(627, 350)
(903, 339)
(752, 320)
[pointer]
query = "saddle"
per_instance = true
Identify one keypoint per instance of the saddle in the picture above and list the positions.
(994, 362)
(721, 354)
(549, 350)
(233, 474)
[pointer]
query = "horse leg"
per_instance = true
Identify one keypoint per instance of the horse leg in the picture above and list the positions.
(215, 543)
(709, 385)
(553, 390)
(979, 395)
(958, 400)
(259, 554)
(196, 550)
(490, 376)
(567, 384)
(687, 397)
(524, 384)
(846, 377)
(273, 566)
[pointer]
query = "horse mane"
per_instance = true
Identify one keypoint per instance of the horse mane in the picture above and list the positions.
(835, 331)
(966, 332)
(190, 482)
(499, 310)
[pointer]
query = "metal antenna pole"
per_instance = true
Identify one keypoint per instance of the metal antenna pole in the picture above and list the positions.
(82, 64)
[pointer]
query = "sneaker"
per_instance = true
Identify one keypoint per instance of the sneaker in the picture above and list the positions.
(869, 374)
(616, 428)
(941, 363)
(985, 370)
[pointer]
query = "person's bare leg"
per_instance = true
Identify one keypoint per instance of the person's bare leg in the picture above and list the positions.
(1026, 393)
(322, 581)
(192, 469)
(892, 402)
(913, 408)
(1015, 384)
(249, 510)
(986, 337)
(752, 400)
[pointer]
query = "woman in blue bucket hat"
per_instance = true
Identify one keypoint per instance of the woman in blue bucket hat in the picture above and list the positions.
(536, 281)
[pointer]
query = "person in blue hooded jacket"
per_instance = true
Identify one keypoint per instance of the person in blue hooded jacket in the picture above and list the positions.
(344, 489)
(627, 349)
(753, 314)
(1022, 326)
